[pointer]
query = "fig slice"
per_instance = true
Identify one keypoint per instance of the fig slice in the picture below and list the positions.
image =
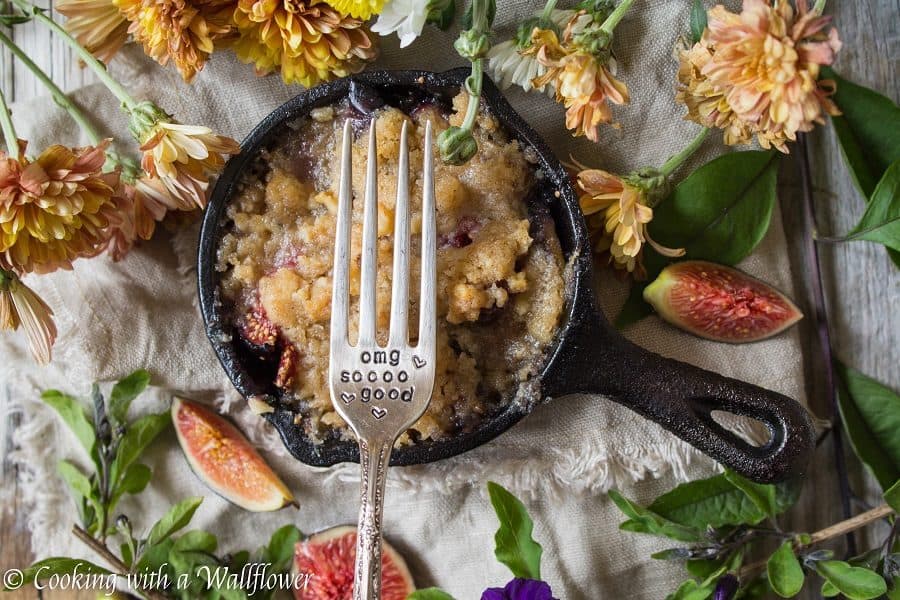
(720, 303)
(225, 460)
(329, 559)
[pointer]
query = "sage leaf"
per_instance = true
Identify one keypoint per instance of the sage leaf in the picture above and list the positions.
(196, 541)
(828, 590)
(868, 131)
(134, 481)
(763, 496)
(784, 571)
(75, 416)
(892, 496)
(856, 583)
(720, 212)
(698, 21)
(691, 590)
(281, 547)
(871, 416)
(137, 437)
(514, 545)
(124, 392)
(431, 593)
(44, 569)
(177, 517)
(82, 488)
(881, 221)
(713, 501)
(644, 520)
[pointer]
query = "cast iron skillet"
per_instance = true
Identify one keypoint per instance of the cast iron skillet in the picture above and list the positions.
(588, 354)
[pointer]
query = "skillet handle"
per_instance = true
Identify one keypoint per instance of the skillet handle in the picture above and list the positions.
(681, 397)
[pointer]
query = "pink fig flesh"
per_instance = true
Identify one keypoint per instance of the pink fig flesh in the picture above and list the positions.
(720, 303)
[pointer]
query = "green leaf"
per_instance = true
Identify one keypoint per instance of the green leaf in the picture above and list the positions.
(701, 568)
(763, 496)
(44, 569)
(137, 437)
(868, 131)
(892, 496)
(644, 520)
(127, 556)
(698, 21)
(134, 481)
(856, 583)
(281, 547)
(177, 517)
(196, 541)
(691, 590)
(714, 502)
(720, 212)
(881, 221)
(80, 485)
(784, 570)
(124, 392)
(154, 557)
(829, 591)
(431, 593)
(75, 416)
(514, 545)
(871, 416)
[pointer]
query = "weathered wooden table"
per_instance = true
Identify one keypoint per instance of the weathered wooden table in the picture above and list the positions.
(862, 285)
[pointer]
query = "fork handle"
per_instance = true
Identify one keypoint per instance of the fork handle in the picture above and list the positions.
(374, 457)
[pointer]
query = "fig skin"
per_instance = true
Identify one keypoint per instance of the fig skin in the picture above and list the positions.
(224, 459)
(330, 558)
(720, 303)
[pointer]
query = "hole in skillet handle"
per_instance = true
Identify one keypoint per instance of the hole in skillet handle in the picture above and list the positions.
(554, 191)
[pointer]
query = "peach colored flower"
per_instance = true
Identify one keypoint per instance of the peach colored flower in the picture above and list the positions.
(617, 215)
(139, 206)
(55, 208)
(182, 158)
(308, 41)
(765, 63)
(584, 84)
(98, 25)
(21, 307)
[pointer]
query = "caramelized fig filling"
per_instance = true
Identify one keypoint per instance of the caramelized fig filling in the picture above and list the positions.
(500, 282)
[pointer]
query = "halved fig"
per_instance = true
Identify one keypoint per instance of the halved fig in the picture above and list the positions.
(225, 460)
(720, 303)
(329, 558)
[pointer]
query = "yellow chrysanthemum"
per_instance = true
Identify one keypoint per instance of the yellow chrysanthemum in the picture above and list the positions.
(361, 9)
(98, 25)
(617, 215)
(307, 40)
(182, 31)
(55, 208)
(182, 158)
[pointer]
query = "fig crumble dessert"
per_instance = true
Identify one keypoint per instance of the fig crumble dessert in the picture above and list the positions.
(500, 268)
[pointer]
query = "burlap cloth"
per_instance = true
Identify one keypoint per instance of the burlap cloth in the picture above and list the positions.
(142, 312)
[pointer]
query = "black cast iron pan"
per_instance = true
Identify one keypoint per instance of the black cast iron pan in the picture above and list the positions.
(588, 355)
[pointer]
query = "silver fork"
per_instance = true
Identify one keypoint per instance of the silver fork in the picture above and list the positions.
(381, 391)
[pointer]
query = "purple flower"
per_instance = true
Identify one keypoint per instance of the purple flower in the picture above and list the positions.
(520, 589)
(726, 587)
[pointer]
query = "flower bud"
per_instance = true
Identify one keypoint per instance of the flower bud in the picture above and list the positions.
(652, 182)
(441, 13)
(726, 587)
(472, 44)
(123, 524)
(457, 145)
(144, 116)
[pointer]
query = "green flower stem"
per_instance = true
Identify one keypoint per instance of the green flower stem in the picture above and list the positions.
(548, 10)
(9, 132)
(473, 86)
(129, 165)
(673, 163)
(95, 65)
(613, 19)
(819, 6)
